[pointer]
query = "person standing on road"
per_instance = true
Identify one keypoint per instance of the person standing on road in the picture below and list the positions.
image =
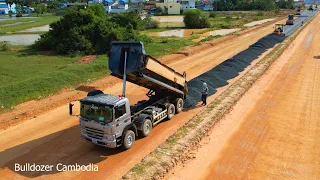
(204, 93)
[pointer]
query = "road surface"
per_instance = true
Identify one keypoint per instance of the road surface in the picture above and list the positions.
(273, 131)
(53, 137)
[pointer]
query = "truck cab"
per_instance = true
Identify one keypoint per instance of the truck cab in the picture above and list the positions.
(103, 118)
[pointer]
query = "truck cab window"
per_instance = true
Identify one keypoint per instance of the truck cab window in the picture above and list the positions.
(120, 111)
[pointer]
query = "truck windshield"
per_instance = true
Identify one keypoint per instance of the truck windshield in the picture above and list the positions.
(96, 112)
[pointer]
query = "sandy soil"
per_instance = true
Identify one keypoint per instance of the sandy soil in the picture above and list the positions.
(254, 23)
(53, 137)
(37, 29)
(20, 39)
(272, 131)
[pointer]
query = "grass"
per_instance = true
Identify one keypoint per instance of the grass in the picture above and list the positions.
(159, 46)
(26, 23)
(160, 29)
(237, 20)
(222, 20)
(25, 76)
(209, 38)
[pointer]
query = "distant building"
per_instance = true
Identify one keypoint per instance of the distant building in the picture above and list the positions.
(120, 6)
(4, 9)
(12, 8)
(187, 4)
(206, 6)
(170, 6)
(136, 1)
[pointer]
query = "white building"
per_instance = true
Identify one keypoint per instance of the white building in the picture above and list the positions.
(120, 6)
(188, 4)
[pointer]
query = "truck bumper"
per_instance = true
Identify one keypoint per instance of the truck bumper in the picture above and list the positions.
(100, 142)
(98, 134)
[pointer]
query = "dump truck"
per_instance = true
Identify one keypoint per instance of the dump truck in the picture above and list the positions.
(290, 20)
(110, 120)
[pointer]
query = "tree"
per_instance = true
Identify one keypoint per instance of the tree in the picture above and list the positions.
(131, 17)
(85, 31)
(286, 4)
(159, 11)
(195, 19)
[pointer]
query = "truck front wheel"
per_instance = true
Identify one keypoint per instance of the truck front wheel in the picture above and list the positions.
(170, 111)
(146, 128)
(128, 139)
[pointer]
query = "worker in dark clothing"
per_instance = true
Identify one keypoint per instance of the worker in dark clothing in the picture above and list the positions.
(204, 93)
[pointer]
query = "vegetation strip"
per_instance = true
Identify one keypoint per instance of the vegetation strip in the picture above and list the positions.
(176, 148)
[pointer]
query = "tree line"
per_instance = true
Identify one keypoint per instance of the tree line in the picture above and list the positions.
(265, 5)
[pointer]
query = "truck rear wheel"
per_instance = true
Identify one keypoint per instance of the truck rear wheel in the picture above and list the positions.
(170, 111)
(128, 139)
(179, 105)
(146, 128)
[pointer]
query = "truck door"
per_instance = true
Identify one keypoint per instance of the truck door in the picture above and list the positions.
(122, 118)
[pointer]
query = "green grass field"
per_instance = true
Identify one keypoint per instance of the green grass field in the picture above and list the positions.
(26, 77)
(26, 23)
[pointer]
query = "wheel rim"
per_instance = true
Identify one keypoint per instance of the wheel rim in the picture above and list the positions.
(180, 104)
(147, 128)
(171, 110)
(129, 140)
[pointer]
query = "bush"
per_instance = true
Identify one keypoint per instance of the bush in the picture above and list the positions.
(19, 15)
(131, 17)
(213, 14)
(159, 11)
(195, 19)
(260, 14)
(145, 39)
(86, 31)
(4, 45)
(228, 18)
(149, 23)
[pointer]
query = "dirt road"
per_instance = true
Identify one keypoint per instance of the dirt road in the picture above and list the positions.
(272, 132)
(53, 137)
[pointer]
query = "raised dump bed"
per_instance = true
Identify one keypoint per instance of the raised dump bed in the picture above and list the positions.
(145, 71)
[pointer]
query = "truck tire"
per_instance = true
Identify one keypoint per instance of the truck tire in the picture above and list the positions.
(128, 139)
(146, 128)
(179, 105)
(170, 111)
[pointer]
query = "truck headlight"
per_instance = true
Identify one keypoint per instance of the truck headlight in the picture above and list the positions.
(110, 137)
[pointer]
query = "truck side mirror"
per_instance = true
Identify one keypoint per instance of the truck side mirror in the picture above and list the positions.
(70, 109)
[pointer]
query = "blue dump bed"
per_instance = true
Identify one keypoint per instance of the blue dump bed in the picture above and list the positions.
(145, 71)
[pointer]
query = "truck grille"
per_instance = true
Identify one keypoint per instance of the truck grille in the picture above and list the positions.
(94, 133)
